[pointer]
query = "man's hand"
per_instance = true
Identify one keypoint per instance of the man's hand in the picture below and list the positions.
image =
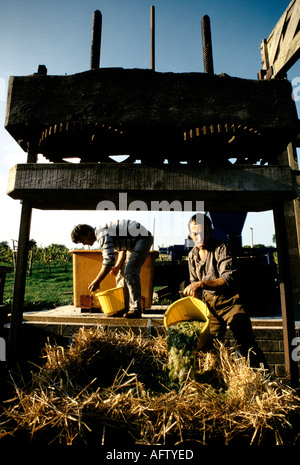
(115, 270)
(194, 289)
(100, 276)
(94, 285)
(121, 257)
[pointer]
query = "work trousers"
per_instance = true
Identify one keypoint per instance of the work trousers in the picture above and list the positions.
(129, 274)
(229, 310)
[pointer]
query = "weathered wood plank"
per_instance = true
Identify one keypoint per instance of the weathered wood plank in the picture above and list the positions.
(143, 113)
(282, 48)
(83, 186)
(286, 276)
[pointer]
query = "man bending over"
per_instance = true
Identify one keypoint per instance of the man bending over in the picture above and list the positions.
(127, 237)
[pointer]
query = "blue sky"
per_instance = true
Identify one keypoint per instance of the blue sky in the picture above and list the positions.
(58, 34)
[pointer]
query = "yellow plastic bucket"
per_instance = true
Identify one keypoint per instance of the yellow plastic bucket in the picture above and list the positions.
(111, 300)
(187, 309)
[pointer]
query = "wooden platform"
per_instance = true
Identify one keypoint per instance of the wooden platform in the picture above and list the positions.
(66, 320)
(72, 314)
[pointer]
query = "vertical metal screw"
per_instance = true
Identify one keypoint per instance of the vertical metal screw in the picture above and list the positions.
(152, 28)
(96, 40)
(207, 45)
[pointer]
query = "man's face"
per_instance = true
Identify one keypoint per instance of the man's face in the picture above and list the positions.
(200, 235)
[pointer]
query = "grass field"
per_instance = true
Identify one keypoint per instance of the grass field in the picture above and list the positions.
(44, 289)
(48, 289)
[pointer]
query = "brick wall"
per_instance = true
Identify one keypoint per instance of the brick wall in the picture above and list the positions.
(270, 341)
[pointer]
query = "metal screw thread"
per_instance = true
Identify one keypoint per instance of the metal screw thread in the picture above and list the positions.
(207, 45)
(96, 40)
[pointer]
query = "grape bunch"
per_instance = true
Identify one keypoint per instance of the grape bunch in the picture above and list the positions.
(182, 341)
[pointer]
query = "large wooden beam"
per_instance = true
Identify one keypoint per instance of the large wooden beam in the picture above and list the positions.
(83, 186)
(282, 48)
(148, 114)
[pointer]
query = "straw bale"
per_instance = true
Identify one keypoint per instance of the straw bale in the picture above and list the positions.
(110, 384)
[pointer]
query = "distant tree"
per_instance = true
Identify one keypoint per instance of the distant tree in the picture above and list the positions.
(46, 256)
(54, 253)
(5, 253)
(63, 255)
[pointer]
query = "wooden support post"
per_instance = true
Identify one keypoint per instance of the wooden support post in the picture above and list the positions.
(286, 294)
(292, 218)
(15, 339)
